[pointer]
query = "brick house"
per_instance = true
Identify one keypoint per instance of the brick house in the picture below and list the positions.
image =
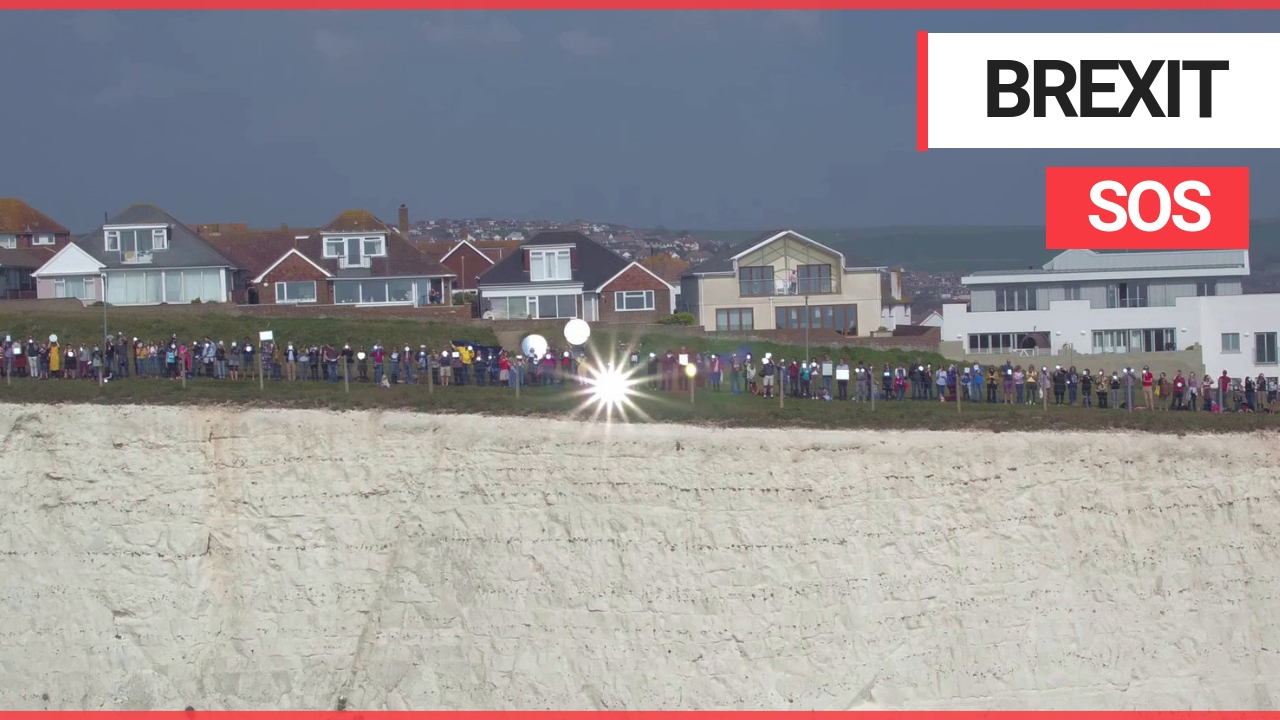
(635, 295)
(354, 260)
(274, 270)
(28, 240)
(464, 260)
(565, 274)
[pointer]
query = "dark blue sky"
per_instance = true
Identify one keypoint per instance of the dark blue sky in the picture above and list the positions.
(689, 120)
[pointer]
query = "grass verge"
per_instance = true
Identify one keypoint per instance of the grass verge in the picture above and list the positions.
(708, 408)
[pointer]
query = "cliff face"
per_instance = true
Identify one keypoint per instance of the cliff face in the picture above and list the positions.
(159, 557)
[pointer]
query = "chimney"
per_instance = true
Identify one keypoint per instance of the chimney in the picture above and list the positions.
(404, 218)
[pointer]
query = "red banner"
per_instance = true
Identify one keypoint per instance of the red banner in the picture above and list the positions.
(1164, 208)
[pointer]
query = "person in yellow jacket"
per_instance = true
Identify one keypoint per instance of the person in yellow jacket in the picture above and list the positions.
(55, 359)
(1033, 386)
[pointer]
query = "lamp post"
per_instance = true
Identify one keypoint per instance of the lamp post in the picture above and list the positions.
(808, 320)
(102, 363)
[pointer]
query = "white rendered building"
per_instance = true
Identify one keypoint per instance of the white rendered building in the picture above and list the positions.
(1089, 303)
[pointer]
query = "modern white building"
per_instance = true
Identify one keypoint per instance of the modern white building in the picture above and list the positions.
(1089, 303)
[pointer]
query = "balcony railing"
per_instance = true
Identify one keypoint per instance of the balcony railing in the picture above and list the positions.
(781, 288)
(1013, 352)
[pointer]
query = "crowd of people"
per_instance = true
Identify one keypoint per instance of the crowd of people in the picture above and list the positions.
(462, 363)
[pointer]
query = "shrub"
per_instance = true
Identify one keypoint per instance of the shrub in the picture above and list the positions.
(680, 318)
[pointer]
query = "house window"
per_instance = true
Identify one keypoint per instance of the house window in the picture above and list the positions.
(1071, 292)
(814, 279)
(1147, 340)
(1206, 288)
(373, 292)
(550, 307)
(9, 241)
(79, 288)
(1264, 348)
(1015, 298)
(1126, 295)
(1001, 342)
(1230, 342)
(160, 238)
(843, 318)
(112, 240)
(547, 265)
(755, 281)
(42, 240)
(517, 307)
(296, 292)
(355, 251)
(633, 300)
(735, 319)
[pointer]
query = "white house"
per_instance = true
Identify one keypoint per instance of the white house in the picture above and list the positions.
(1089, 303)
(71, 273)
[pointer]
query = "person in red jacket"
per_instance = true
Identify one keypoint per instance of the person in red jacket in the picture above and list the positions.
(1147, 393)
(1179, 391)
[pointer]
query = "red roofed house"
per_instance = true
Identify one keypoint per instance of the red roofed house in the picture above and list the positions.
(565, 274)
(355, 260)
(28, 239)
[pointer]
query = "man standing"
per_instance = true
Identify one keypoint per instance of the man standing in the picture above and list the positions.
(828, 373)
(1148, 380)
(842, 379)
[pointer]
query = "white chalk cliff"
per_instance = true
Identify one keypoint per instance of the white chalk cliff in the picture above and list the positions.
(152, 558)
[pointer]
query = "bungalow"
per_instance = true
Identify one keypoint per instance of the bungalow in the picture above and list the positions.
(28, 239)
(565, 274)
(145, 257)
(355, 260)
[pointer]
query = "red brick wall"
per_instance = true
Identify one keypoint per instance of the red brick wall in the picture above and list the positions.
(434, 313)
(467, 264)
(635, 278)
(293, 269)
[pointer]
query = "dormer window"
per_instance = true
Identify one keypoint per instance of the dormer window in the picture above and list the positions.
(355, 251)
(9, 241)
(42, 240)
(550, 265)
(136, 243)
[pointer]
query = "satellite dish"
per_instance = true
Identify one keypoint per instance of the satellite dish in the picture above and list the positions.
(577, 331)
(53, 338)
(534, 346)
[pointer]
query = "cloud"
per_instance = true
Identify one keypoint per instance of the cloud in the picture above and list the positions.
(96, 28)
(336, 46)
(143, 81)
(488, 32)
(583, 43)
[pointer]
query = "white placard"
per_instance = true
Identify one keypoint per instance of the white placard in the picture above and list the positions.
(684, 359)
(842, 374)
(826, 369)
(266, 336)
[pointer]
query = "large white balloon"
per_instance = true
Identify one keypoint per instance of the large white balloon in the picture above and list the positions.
(576, 331)
(534, 346)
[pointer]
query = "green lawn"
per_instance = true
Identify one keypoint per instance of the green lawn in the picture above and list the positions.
(707, 409)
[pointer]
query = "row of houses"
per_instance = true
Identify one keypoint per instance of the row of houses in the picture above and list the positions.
(145, 256)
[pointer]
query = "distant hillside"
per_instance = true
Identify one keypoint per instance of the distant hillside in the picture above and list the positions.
(970, 249)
